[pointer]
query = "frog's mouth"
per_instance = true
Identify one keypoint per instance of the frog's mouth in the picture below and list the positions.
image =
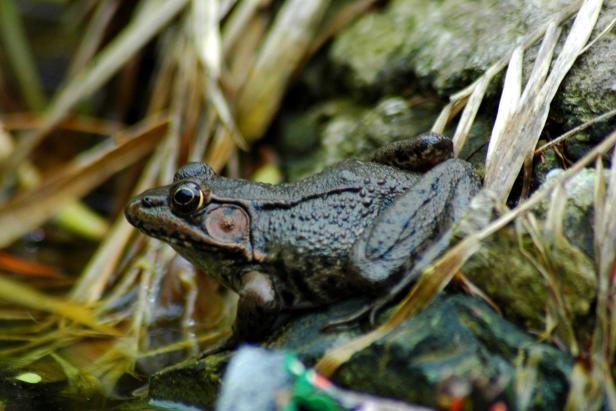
(216, 229)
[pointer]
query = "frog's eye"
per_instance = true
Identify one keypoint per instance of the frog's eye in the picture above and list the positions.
(187, 198)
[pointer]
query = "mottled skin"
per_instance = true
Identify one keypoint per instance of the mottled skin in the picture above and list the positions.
(349, 229)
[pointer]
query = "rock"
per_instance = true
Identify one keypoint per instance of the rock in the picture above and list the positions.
(445, 45)
(589, 90)
(458, 348)
(192, 383)
(304, 335)
(339, 129)
(462, 340)
(197, 382)
(504, 268)
(578, 216)
(262, 380)
(457, 340)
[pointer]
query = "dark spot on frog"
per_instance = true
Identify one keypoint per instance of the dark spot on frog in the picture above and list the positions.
(332, 283)
(149, 201)
(287, 298)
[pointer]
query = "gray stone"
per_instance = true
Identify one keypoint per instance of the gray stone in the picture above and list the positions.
(189, 384)
(506, 266)
(445, 45)
(339, 129)
(458, 344)
(459, 341)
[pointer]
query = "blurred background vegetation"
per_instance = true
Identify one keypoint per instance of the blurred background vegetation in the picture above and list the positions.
(98, 101)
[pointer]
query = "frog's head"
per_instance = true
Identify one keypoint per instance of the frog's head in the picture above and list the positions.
(185, 215)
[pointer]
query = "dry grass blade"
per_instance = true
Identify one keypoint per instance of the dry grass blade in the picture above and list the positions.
(81, 124)
(608, 28)
(444, 269)
(17, 358)
(607, 231)
(459, 100)
(207, 35)
(526, 378)
(220, 150)
(81, 220)
(470, 111)
(541, 255)
(219, 101)
(500, 137)
(512, 89)
(237, 23)
(598, 203)
(98, 71)
(225, 7)
(285, 46)
(448, 113)
(601, 345)
(24, 296)
(94, 35)
(6, 142)
(584, 389)
(18, 50)
(524, 128)
(474, 291)
(574, 131)
(604, 344)
(208, 42)
(30, 209)
(74, 216)
(606, 242)
(15, 264)
(95, 275)
(208, 339)
(79, 380)
(542, 61)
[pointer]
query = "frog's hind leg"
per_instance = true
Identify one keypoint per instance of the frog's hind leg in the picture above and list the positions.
(418, 154)
(412, 223)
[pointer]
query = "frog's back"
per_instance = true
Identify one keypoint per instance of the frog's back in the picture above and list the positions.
(349, 175)
(307, 238)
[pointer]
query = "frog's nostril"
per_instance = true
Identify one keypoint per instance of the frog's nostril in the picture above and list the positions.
(148, 201)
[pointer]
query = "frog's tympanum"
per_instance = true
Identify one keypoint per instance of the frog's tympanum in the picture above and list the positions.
(348, 230)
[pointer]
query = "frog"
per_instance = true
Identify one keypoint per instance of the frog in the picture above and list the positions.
(352, 229)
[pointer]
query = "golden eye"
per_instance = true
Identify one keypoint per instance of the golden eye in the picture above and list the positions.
(187, 198)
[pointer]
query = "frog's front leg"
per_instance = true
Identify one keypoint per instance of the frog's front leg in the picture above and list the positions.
(417, 218)
(257, 309)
